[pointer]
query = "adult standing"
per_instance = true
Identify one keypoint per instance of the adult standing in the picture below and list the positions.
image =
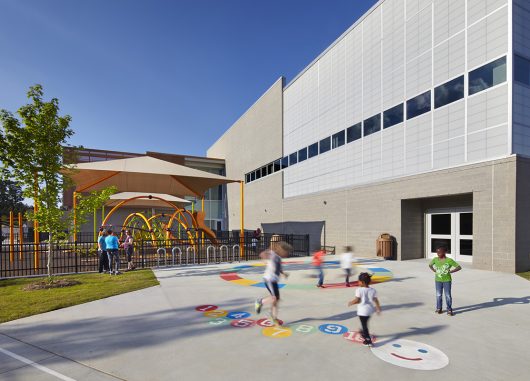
(113, 244)
(102, 250)
(443, 267)
(128, 245)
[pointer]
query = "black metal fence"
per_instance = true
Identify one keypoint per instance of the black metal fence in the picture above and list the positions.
(30, 259)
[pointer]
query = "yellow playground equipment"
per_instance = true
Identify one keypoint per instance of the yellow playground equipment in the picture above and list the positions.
(179, 225)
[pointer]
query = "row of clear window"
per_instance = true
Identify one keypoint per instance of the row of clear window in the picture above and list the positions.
(480, 79)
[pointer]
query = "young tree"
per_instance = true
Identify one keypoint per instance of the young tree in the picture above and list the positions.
(32, 153)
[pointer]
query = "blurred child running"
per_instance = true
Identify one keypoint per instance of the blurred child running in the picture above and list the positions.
(366, 298)
(345, 263)
(318, 259)
(273, 270)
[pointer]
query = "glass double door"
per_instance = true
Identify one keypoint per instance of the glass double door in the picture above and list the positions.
(452, 228)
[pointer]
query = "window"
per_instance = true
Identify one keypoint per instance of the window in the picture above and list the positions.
(354, 132)
(293, 158)
(487, 76)
(258, 174)
(325, 145)
(264, 171)
(285, 162)
(277, 165)
(449, 92)
(270, 169)
(247, 178)
(393, 116)
(522, 70)
(302, 154)
(337, 140)
(419, 105)
(312, 150)
(372, 125)
(252, 176)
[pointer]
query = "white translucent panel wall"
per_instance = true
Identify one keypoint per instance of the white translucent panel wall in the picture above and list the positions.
(418, 145)
(449, 58)
(449, 135)
(477, 9)
(393, 151)
(404, 48)
(449, 19)
(372, 64)
(487, 126)
(488, 38)
(353, 77)
(393, 52)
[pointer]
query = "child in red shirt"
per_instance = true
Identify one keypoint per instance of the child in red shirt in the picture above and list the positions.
(318, 259)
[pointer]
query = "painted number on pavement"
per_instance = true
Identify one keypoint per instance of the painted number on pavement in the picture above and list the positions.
(238, 315)
(277, 332)
(215, 313)
(243, 323)
(333, 329)
(206, 307)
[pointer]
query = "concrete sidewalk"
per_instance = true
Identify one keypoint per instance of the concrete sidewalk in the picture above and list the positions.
(156, 333)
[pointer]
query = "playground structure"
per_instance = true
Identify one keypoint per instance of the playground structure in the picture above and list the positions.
(189, 225)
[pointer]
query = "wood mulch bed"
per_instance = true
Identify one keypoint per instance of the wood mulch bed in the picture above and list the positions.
(42, 285)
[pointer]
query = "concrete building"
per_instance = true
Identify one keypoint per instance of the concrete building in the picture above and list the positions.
(414, 122)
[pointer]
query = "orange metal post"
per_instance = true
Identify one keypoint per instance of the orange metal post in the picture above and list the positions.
(20, 236)
(11, 237)
(202, 209)
(75, 217)
(242, 222)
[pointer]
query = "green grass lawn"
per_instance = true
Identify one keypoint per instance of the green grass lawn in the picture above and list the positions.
(16, 303)
(525, 275)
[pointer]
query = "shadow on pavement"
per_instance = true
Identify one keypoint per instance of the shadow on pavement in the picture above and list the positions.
(413, 331)
(496, 302)
(352, 314)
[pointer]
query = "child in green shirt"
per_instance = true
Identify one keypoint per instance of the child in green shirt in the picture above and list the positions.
(441, 266)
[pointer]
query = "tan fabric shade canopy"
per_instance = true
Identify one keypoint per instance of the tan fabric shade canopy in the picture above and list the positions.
(145, 200)
(144, 174)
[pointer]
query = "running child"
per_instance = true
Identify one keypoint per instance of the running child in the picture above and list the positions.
(318, 259)
(366, 298)
(345, 263)
(273, 270)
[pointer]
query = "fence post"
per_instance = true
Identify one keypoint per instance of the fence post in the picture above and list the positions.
(307, 244)
(76, 258)
(142, 251)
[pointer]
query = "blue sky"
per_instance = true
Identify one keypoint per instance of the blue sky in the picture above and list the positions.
(160, 75)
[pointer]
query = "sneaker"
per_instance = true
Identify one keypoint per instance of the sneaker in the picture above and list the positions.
(450, 313)
(117, 272)
(257, 305)
(276, 323)
(438, 311)
(367, 343)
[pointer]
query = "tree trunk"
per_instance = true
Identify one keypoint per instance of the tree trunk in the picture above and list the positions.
(50, 254)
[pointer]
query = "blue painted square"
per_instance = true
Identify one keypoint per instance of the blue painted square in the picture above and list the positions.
(262, 285)
(378, 270)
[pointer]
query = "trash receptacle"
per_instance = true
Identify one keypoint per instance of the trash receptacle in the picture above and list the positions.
(384, 245)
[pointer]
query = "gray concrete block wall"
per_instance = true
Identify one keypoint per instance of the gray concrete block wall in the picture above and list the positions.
(254, 140)
(358, 215)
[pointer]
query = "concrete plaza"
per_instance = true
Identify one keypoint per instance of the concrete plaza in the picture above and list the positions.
(157, 334)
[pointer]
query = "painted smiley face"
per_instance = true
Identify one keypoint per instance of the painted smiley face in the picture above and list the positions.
(411, 354)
